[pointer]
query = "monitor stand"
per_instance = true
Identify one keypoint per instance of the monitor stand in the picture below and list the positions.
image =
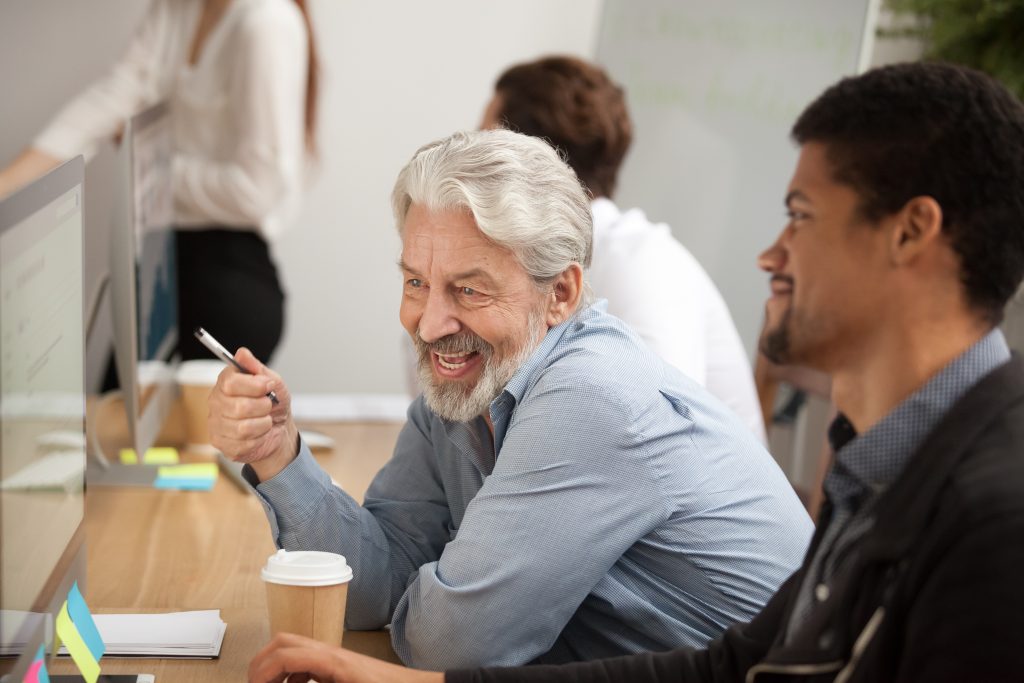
(116, 474)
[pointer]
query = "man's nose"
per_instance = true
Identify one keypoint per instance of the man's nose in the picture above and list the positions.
(439, 318)
(773, 258)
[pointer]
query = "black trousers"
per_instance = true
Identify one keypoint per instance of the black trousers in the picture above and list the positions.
(228, 284)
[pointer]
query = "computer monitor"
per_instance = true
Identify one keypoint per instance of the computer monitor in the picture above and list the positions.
(42, 410)
(143, 279)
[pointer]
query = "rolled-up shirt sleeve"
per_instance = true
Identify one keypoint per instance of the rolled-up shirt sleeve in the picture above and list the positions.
(555, 514)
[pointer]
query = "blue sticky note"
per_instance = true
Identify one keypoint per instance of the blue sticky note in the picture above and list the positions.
(42, 676)
(198, 484)
(82, 619)
(37, 671)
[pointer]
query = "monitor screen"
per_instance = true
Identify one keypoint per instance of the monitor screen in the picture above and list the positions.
(143, 278)
(42, 401)
(155, 258)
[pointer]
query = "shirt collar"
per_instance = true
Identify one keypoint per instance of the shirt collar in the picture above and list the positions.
(504, 405)
(870, 462)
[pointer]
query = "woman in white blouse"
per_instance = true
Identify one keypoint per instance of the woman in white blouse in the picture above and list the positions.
(240, 78)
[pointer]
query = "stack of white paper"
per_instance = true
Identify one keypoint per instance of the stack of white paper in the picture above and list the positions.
(17, 628)
(196, 634)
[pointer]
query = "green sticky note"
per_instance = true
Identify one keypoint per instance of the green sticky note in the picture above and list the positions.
(153, 456)
(201, 470)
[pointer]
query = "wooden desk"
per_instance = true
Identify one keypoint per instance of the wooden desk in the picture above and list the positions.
(154, 551)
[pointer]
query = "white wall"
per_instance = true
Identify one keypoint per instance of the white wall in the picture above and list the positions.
(395, 75)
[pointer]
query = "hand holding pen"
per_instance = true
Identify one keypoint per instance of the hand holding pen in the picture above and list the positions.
(244, 425)
(207, 340)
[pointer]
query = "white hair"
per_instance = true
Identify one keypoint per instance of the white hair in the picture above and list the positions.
(521, 194)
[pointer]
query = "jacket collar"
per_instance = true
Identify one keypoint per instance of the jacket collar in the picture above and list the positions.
(905, 508)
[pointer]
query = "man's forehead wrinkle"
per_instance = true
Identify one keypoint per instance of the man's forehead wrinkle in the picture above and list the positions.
(453, 257)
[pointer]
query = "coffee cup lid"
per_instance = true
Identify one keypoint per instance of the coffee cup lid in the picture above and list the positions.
(306, 568)
(200, 372)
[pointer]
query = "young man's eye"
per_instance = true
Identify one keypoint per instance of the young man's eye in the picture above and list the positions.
(795, 216)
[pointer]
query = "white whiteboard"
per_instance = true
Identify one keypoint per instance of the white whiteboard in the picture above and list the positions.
(713, 89)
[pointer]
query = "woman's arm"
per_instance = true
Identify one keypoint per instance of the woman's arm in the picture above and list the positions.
(28, 166)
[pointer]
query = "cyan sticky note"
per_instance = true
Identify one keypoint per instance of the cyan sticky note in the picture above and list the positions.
(152, 456)
(37, 671)
(200, 470)
(82, 618)
(202, 484)
(80, 653)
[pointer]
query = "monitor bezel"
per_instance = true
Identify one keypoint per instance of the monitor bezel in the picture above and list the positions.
(71, 566)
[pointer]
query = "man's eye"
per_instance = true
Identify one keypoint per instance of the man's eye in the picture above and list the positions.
(795, 216)
(468, 291)
(414, 282)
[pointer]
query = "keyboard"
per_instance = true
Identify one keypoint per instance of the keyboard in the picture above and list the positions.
(61, 470)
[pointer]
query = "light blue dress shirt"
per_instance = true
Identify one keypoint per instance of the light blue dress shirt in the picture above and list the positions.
(618, 508)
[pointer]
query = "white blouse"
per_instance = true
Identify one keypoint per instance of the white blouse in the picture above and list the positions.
(238, 113)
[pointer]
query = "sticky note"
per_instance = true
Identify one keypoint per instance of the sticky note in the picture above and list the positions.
(203, 484)
(82, 619)
(152, 456)
(37, 671)
(201, 470)
(79, 651)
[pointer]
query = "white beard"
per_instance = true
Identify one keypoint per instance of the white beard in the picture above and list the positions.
(451, 400)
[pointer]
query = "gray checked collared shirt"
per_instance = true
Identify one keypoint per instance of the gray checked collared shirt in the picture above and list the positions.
(864, 466)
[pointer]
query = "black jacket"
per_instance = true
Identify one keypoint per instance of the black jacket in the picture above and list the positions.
(934, 593)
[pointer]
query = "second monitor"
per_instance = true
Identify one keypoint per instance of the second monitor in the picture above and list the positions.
(144, 287)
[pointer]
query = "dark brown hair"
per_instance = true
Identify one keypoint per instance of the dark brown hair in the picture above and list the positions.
(312, 79)
(577, 108)
(942, 131)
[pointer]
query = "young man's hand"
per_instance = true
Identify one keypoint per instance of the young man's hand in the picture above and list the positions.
(298, 659)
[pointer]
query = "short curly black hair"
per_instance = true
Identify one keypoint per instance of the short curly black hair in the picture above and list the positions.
(576, 107)
(938, 130)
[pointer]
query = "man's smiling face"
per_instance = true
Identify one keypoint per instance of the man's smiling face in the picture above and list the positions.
(472, 309)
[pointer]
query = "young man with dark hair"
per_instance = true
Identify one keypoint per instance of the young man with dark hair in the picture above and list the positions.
(650, 280)
(905, 239)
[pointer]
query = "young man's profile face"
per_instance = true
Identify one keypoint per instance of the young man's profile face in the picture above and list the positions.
(828, 270)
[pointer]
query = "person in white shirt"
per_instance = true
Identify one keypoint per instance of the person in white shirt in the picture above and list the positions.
(650, 280)
(241, 82)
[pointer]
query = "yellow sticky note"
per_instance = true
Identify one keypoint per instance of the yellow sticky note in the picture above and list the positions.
(79, 651)
(153, 456)
(200, 470)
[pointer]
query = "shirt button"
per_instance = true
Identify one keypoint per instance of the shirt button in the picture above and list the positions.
(821, 592)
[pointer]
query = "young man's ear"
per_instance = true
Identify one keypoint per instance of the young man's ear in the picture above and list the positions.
(564, 297)
(917, 227)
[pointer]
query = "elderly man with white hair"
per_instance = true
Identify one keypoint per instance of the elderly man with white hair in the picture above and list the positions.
(558, 493)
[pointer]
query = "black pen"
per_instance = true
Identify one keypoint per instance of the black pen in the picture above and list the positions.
(207, 340)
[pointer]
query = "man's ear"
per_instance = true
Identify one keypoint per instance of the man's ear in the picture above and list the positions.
(564, 297)
(917, 227)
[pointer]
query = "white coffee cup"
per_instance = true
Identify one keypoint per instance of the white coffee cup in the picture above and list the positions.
(306, 593)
